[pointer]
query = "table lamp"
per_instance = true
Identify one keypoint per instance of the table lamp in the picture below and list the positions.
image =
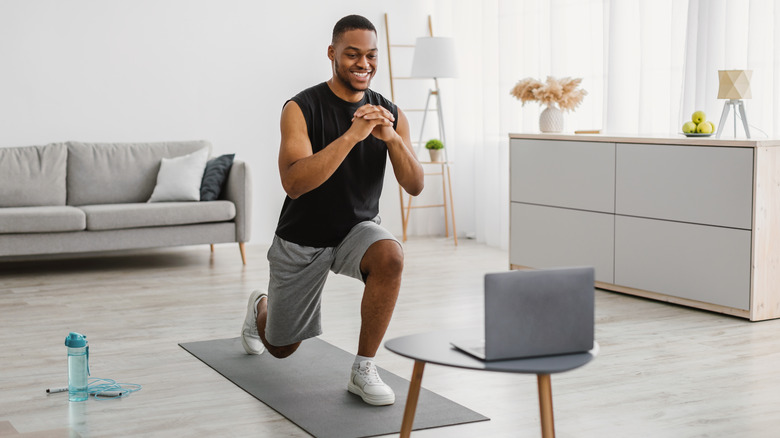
(434, 57)
(734, 86)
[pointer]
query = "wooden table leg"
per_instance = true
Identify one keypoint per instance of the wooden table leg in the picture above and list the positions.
(411, 399)
(545, 405)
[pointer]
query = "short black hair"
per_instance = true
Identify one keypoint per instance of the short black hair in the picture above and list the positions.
(351, 22)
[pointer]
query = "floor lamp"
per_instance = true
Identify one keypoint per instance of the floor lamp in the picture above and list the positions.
(434, 58)
(734, 86)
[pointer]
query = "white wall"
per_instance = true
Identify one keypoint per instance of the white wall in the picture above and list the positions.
(155, 70)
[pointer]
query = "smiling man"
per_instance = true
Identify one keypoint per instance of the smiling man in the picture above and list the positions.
(336, 138)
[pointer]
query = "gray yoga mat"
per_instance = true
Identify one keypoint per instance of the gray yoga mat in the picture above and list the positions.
(310, 389)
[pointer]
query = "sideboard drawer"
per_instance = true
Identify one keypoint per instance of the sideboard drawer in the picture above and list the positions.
(568, 174)
(697, 262)
(696, 184)
(547, 237)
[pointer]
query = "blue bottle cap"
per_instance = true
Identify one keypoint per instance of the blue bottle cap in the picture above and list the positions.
(75, 340)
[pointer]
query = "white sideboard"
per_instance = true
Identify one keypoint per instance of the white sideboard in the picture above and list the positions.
(693, 221)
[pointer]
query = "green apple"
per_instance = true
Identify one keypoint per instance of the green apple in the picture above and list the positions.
(698, 117)
(705, 128)
(689, 127)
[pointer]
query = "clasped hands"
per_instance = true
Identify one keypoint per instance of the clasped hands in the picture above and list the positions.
(375, 120)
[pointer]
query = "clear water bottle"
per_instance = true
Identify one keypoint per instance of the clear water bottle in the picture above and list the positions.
(78, 366)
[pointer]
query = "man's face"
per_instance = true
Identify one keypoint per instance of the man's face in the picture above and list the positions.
(354, 58)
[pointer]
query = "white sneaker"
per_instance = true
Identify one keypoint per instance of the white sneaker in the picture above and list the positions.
(250, 339)
(366, 383)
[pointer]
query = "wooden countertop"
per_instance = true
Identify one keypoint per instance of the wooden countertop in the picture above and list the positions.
(651, 139)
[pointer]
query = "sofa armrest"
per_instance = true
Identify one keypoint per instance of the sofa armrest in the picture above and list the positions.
(238, 189)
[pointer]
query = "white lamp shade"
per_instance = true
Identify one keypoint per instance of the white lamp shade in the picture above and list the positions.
(434, 57)
(734, 84)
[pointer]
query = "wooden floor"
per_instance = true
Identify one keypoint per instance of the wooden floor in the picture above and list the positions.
(663, 370)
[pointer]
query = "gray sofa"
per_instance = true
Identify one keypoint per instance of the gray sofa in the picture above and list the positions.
(75, 197)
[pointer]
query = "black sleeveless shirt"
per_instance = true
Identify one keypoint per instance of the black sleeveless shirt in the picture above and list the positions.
(324, 216)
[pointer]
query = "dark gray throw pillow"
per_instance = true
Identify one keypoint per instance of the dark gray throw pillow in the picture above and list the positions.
(214, 177)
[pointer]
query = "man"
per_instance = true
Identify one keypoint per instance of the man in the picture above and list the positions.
(336, 137)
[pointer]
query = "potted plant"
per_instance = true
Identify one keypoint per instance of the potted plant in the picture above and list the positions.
(565, 93)
(435, 147)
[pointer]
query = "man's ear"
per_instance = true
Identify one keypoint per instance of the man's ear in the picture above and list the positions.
(331, 52)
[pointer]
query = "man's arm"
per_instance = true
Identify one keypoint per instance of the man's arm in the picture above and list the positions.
(408, 170)
(302, 170)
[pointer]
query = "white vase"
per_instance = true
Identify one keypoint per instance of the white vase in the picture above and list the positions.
(551, 119)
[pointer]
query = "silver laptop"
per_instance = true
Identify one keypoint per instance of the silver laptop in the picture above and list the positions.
(535, 313)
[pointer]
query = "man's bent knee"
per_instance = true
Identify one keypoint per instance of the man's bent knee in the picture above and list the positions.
(283, 351)
(384, 257)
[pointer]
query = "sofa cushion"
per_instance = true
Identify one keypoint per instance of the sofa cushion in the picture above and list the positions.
(33, 175)
(179, 177)
(214, 177)
(117, 173)
(51, 219)
(119, 216)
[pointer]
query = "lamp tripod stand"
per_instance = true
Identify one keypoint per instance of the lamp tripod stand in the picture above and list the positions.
(434, 93)
(446, 186)
(738, 106)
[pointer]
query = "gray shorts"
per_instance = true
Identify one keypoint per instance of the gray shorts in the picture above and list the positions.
(298, 275)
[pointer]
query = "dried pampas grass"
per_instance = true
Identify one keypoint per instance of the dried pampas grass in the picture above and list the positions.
(524, 90)
(564, 92)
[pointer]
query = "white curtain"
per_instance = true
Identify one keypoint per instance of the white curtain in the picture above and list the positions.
(500, 42)
(734, 35)
(646, 64)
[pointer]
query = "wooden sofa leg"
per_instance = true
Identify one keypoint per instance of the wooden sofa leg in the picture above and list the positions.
(243, 254)
(212, 247)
